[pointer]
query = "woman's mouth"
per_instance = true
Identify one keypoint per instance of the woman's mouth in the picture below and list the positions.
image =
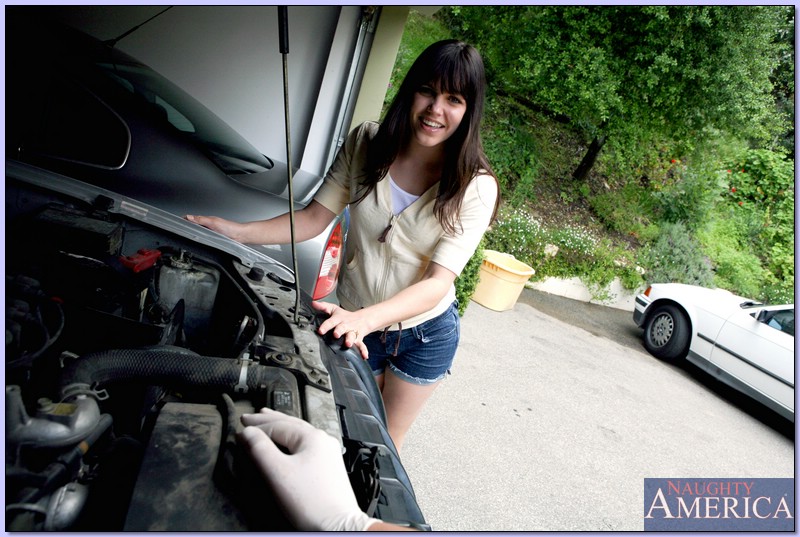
(431, 124)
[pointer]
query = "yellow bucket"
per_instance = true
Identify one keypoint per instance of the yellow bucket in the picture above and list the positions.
(502, 278)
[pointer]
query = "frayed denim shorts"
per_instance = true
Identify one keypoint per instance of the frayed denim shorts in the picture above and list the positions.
(424, 353)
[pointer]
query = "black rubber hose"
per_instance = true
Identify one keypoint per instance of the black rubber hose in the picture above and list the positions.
(170, 366)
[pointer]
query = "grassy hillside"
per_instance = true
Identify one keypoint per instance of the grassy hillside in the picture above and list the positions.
(721, 215)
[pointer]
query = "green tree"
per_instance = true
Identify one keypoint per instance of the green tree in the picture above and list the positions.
(783, 79)
(635, 73)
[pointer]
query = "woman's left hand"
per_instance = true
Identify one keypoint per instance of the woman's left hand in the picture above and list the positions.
(343, 323)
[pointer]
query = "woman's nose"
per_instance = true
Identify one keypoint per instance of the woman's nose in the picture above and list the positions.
(435, 104)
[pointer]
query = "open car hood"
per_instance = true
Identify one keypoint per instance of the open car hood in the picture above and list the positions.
(134, 342)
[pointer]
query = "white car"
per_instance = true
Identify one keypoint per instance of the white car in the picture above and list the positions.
(745, 344)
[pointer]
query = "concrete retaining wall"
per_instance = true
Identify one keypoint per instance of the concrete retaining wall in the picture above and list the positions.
(575, 289)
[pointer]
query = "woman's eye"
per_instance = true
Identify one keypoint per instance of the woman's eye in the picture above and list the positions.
(425, 90)
(455, 99)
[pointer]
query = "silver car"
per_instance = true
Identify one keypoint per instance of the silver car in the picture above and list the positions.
(84, 109)
(135, 340)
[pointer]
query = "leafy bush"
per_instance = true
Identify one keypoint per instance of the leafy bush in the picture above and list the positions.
(518, 234)
(676, 256)
(736, 269)
(467, 281)
(778, 292)
(512, 148)
(762, 183)
(562, 252)
(628, 210)
(597, 262)
(689, 195)
(750, 239)
(576, 247)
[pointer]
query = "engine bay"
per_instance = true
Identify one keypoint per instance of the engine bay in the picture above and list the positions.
(131, 353)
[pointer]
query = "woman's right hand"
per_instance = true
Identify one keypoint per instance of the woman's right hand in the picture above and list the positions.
(226, 227)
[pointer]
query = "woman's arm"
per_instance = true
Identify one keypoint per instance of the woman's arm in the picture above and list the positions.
(451, 251)
(309, 222)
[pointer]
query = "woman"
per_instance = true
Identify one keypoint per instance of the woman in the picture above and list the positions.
(421, 195)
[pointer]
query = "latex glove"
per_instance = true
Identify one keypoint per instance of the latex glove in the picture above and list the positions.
(310, 482)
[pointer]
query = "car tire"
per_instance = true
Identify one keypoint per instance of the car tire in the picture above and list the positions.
(666, 333)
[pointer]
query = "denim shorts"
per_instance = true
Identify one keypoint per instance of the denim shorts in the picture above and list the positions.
(425, 352)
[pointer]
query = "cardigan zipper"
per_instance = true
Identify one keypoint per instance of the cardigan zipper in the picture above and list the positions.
(385, 233)
(387, 261)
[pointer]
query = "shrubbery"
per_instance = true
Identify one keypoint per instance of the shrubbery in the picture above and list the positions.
(699, 210)
(467, 281)
(675, 256)
(734, 267)
(563, 252)
(750, 238)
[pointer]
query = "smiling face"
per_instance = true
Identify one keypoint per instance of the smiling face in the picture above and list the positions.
(435, 115)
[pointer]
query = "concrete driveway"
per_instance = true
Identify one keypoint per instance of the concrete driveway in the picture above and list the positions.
(544, 426)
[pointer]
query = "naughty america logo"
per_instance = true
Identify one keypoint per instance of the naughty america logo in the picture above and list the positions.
(726, 504)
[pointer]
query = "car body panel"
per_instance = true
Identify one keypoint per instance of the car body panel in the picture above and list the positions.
(134, 336)
(143, 212)
(170, 151)
(730, 342)
(336, 390)
(749, 349)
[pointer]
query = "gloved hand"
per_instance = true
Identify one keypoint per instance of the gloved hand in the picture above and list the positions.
(310, 482)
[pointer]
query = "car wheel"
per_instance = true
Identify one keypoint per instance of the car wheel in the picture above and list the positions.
(666, 333)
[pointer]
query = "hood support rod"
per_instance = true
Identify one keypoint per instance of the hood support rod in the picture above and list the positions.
(283, 35)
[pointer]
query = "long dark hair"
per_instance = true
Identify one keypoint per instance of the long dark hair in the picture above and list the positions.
(451, 66)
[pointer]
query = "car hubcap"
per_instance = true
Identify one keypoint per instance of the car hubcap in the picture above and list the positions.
(661, 331)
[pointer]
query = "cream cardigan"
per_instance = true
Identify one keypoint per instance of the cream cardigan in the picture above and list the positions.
(376, 271)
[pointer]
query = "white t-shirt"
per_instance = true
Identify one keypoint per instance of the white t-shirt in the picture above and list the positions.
(400, 198)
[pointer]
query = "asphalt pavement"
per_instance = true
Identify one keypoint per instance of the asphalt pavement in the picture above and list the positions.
(552, 425)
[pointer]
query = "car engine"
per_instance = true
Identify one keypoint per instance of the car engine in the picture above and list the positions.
(130, 356)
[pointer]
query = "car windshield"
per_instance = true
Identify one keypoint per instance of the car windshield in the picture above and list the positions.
(232, 153)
